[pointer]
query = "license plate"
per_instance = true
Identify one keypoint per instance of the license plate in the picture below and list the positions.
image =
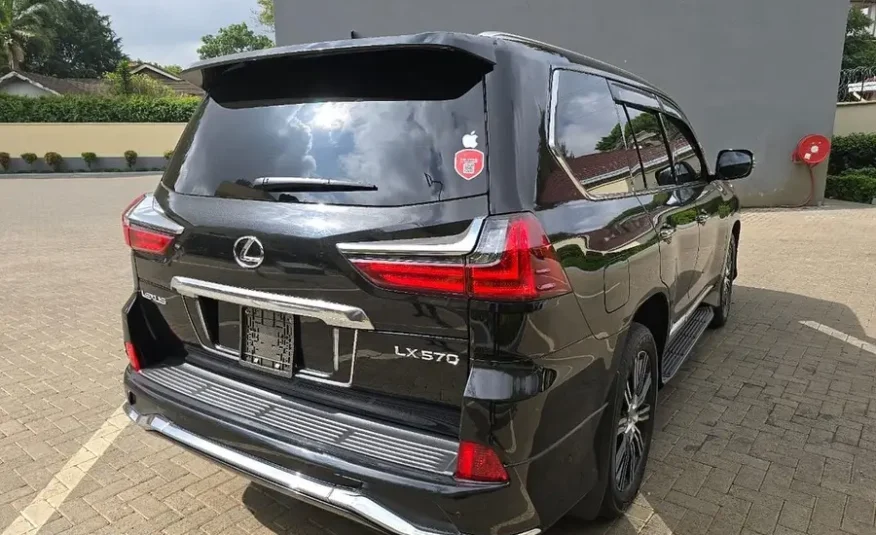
(268, 342)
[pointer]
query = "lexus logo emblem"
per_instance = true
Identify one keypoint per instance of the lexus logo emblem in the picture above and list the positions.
(249, 252)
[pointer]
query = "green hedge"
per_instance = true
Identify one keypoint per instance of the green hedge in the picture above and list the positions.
(857, 185)
(96, 109)
(854, 151)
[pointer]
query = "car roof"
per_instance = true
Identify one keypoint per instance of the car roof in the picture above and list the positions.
(483, 45)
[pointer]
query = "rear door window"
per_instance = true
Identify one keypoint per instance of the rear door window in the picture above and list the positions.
(404, 142)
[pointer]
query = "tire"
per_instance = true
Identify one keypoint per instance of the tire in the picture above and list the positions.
(725, 295)
(630, 440)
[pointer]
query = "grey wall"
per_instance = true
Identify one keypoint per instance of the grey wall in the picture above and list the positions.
(756, 74)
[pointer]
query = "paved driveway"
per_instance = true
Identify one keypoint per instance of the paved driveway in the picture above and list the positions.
(769, 429)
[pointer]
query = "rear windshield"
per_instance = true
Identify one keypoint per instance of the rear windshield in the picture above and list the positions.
(403, 145)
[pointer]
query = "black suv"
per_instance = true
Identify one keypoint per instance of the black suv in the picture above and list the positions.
(429, 282)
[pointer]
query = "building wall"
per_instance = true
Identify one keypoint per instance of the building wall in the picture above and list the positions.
(108, 141)
(749, 73)
(852, 117)
(22, 89)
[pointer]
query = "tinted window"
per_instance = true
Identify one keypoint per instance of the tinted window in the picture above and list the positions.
(589, 136)
(405, 147)
(645, 129)
(688, 165)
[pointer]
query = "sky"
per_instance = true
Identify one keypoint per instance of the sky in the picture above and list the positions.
(169, 31)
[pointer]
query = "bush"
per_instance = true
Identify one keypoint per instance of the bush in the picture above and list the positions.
(4, 160)
(29, 157)
(54, 160)
(857, 185)
(168, 154)
(89, 158)
(96, 109)
(130, 158)
(854, 151)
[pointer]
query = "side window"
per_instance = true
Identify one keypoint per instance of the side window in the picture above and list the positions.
(685, 156)
(647, 133)
(588, 135)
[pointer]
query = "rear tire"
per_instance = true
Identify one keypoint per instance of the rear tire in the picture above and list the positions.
(631, 413)
(725, 294)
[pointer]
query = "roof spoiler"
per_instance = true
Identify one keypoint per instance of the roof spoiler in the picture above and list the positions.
(480, 47)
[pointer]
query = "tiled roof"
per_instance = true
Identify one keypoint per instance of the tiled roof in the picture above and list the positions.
(96, 86)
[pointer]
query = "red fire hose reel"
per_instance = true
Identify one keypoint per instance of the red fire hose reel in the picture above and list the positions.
(811, 151)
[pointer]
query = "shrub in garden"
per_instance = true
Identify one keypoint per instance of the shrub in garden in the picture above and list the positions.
(4, 160)
(29, 157)
(54, 160)
(131, 158)
(97, 109)
(854, 151)
(857, 185)
(89, 158)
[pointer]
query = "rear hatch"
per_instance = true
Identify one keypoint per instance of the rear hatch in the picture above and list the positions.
(292, 170)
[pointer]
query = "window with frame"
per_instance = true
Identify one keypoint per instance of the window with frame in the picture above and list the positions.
(646, 131)
(686, 158)
(589, 137)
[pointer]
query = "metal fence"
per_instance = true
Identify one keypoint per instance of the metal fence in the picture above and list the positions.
(856, 85)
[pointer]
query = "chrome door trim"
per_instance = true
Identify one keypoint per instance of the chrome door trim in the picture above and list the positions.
(334, 314)
(456, 245)
(353, 503)
(694, 306)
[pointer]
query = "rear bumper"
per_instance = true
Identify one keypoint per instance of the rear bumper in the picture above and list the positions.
(347, 502)
(395, 502)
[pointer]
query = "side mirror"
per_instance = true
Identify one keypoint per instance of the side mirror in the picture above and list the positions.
(734, 164)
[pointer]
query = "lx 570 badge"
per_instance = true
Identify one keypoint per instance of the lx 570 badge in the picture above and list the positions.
(422, 354)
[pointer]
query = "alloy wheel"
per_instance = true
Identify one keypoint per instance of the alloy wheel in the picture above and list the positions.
(631, 429)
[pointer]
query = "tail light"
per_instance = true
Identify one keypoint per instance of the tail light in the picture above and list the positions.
(146, 229)
(512, 261)
(476, 462)
(133, 357)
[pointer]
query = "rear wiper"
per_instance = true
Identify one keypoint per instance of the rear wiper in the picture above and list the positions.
(296, 183)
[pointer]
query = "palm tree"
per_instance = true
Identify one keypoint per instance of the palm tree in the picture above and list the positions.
(21, 21)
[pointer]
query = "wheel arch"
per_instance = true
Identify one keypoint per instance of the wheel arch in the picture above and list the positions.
(737, 230)
(653, 313)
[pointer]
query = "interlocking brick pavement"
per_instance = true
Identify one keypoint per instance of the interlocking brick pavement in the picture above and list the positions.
(770, 428)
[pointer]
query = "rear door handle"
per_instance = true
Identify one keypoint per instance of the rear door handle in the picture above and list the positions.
(666, 233)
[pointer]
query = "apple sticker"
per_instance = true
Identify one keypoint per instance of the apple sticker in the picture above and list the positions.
(469, 162)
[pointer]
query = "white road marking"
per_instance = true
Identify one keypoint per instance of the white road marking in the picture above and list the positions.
(839, 335)
(47, 502)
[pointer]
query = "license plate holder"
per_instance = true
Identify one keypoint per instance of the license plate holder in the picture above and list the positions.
(267, 341)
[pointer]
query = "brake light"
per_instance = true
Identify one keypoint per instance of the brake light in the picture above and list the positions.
(512, 261)
(133, 357)
(476, 462)
(140, 238)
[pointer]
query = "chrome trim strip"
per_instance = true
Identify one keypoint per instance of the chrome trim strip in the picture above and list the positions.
(352, 503)
(680, 323)
(148, 213)
(457, 245)
(334, 314)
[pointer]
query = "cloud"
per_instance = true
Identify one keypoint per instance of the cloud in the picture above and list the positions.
(170, 31)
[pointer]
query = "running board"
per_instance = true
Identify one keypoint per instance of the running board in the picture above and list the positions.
(681, 345)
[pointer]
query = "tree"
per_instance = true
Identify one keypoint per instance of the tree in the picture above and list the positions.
(860, 47)
(85, 45)
(642, 124)
(265, 13)
(232, 39)
(123, 83)
(22, 23)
